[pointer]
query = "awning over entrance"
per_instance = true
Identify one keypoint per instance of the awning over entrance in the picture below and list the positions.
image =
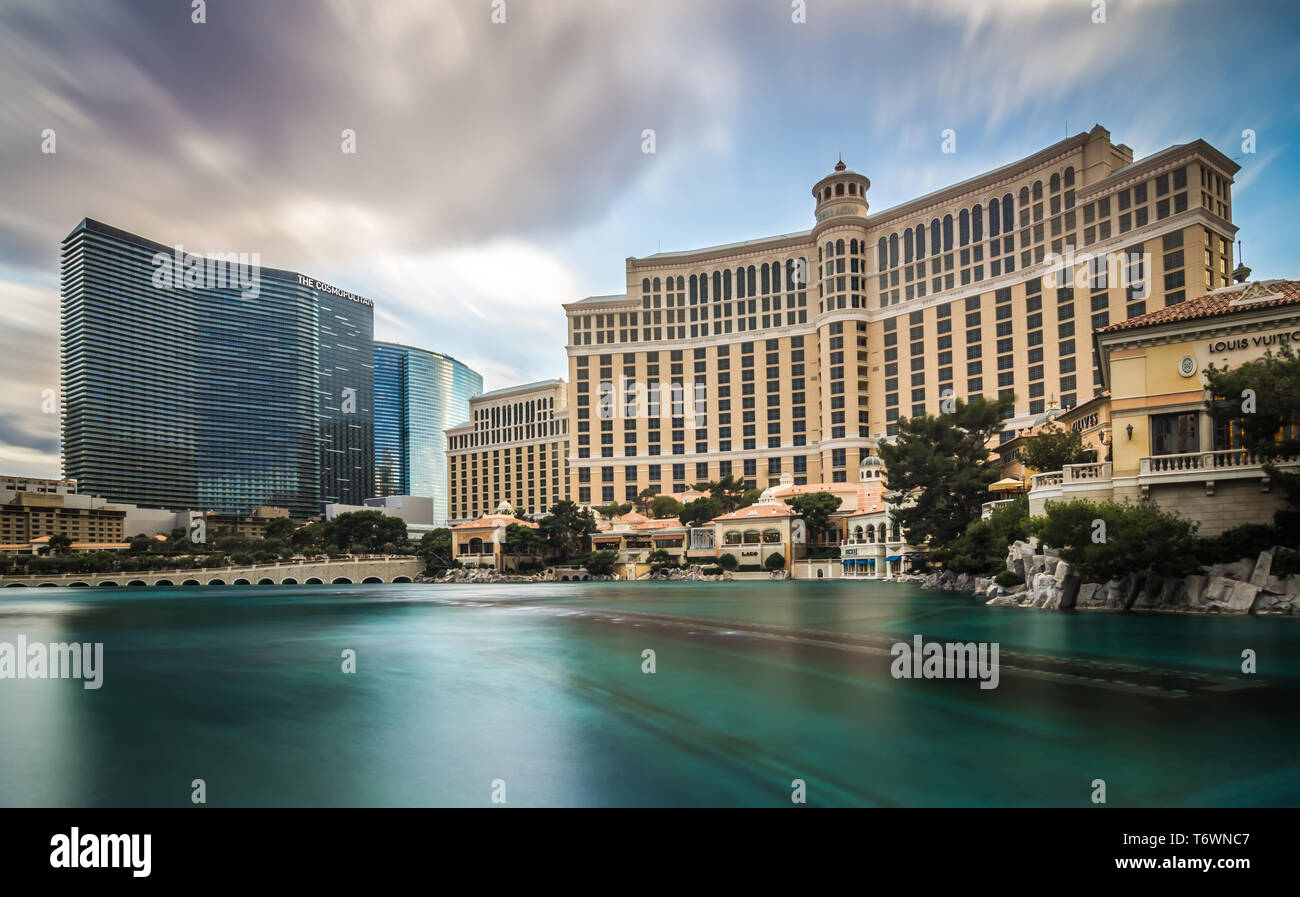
(894, 557)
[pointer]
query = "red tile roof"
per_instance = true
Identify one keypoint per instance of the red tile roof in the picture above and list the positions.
(492, 521)
(756, 512)
(1224, 301)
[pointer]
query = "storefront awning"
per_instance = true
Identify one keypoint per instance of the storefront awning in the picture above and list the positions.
(894, 557)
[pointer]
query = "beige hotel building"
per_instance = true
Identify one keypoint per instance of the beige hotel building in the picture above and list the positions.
(794, 354)
(513, 449)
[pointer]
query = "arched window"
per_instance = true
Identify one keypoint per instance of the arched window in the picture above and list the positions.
(1024, 197)
(920, 241)
(695, 290)
(882, 254)
(681, 283)
(717, 285)
(1008, 214)
(830, 250)
(1055, 183)
(947, 233)
(645, 285)
(767, 279)
(853, 247)
(839, 189)
(1069, 176)
(977, 223)
(880, 533)
(963, 227)
(839, 246)
(907, 246)
(1038, 190)
(857, 533)
(893, 250)
(871, 533)
(771, 536)
(726, 287)
(827, 194)
(995, 217)
(934, 236)
(740, 283)
(776, 277)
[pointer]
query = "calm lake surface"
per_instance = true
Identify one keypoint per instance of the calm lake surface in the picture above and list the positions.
(541, 686)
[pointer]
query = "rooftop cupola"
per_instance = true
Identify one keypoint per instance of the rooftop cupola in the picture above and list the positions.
(841, 194)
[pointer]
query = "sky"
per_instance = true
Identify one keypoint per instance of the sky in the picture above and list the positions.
(501, 166)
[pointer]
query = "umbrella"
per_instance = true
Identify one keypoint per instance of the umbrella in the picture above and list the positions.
(1010, 484)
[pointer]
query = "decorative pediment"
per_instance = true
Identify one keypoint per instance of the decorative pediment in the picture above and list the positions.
(1256, 291)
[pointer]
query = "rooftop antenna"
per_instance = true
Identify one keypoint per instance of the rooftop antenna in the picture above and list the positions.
(1241, 274)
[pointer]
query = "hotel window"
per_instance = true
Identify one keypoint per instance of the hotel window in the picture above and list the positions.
(1175, 434)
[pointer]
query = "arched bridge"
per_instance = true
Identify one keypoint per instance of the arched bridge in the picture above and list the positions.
(345, 572)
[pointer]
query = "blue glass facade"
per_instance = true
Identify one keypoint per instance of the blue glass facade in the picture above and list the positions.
(418, 395)
(184, 395)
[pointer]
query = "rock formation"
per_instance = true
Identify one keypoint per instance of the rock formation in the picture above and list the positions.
(1047, 582)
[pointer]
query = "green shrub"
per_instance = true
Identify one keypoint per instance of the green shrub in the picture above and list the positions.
(1105, 540)
(1008, 580)
(728, 561)
(601, 563)
(713, 571)
(1245, 541)
(1286, 563)
(982, 548)
(775, 562)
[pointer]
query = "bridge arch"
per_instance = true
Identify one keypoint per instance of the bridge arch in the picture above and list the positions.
(136, 583)
(109, 583)
(371, 579)
(266, 581)
(214, 582)
(192, 582)
(242, 582)
(401, 579)
(78, 585)
(164, 582)
(48, 585)
(340, 581)
(289, 581)
(314, 581)
(13, 585)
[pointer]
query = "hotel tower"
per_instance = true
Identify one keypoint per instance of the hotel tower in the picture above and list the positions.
(794, 354)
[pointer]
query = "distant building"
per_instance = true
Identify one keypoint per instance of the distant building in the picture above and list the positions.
(416, 510)
(37, 484)
(418, 395)
(513, 449)
(27, 516)
(183, 389)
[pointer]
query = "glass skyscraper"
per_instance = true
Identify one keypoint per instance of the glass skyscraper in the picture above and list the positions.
(184, 390)
(418, 395)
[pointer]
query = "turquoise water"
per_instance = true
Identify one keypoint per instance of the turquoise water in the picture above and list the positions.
(541, 686)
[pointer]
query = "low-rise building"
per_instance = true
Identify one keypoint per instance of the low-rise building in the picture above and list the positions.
(1165, 444)
(481, 542)
(873, 546)
(28, 515)
(417, 511)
